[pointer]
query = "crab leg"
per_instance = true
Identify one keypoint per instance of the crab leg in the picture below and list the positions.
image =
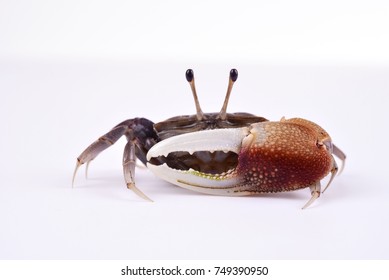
(141, 137)
(129, 163)
(315, 192)
(339, 154)
(98, 146)
(334, 170)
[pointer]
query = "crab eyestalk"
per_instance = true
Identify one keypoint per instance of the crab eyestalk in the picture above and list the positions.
(190, 78)
(232, 79)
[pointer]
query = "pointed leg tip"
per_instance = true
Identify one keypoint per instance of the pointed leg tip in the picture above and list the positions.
(309, 203)
(315, 192)
(78, 164)
(87, 169)
(315, 196)
(131, 186)
(341, 168)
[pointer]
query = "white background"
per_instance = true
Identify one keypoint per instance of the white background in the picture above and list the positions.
(71, 70)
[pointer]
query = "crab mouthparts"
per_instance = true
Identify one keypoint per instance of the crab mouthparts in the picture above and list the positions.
(215, 162)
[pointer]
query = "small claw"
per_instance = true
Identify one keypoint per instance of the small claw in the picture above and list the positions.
(78, 164)
(131, 186)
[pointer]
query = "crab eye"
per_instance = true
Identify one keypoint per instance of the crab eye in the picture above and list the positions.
(189, 75)
(234, 75)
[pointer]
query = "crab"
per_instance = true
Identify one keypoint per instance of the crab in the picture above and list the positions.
(231, 154)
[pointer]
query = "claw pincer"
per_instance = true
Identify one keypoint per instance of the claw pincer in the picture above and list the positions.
(272, 157)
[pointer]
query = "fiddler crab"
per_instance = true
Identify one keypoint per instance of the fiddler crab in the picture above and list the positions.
(225, 154)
